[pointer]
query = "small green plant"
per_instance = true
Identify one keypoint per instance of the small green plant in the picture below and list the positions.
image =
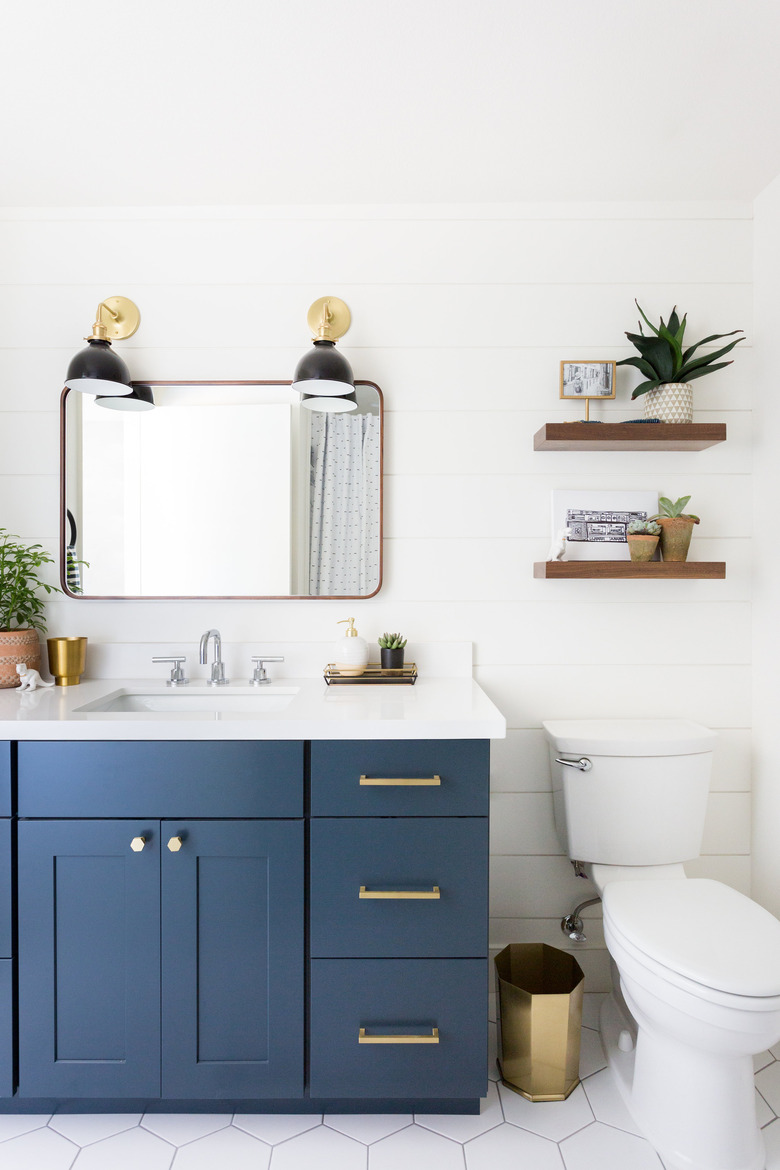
(392, 641)
(21, 605)
(643, 528)
(662, 358)
(674, 511)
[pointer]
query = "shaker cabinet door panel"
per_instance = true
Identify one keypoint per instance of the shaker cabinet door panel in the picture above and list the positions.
(232, 964)
(5, 778)
(89, 959)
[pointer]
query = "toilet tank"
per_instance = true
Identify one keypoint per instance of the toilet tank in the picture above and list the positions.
(643, 800)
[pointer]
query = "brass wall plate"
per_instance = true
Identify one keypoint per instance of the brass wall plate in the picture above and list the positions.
(328, 318)
(122, 319)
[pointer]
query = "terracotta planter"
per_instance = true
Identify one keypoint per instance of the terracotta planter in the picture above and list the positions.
(675, 537)
(18, 646)
(672, 403)
(642, 548)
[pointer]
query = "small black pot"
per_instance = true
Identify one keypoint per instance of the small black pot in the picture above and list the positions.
(391, 659)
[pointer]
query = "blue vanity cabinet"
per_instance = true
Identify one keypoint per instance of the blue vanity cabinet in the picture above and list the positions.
(6, 941)
(399, 900)
(161, 957)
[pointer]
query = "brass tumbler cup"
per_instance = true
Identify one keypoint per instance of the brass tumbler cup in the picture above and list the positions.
(67, 660)
(540, 1017)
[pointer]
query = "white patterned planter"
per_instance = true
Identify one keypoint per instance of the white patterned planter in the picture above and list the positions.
(672, 403)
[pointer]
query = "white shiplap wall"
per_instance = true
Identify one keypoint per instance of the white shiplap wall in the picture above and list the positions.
(462, 316)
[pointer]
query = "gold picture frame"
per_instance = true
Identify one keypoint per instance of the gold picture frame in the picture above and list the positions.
(587, 380)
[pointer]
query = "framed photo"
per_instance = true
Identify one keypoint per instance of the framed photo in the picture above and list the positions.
(594, 522)
(587, 380)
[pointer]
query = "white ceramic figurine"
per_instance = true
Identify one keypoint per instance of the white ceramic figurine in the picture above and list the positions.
(30, 678)
(558, 547)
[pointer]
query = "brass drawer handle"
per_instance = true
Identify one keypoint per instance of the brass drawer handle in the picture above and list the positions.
(434, 892)
(137, 844)
(175, 844)
(411, 782)
(382, 1039)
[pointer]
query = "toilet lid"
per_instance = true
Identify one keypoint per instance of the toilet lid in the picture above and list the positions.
(700, 929)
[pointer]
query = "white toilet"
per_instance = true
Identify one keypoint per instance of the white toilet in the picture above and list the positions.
(698, 963)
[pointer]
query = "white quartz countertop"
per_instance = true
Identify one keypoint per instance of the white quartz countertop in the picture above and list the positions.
(434, 708)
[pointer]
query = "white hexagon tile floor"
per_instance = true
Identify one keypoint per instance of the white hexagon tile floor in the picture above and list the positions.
(590, 1131)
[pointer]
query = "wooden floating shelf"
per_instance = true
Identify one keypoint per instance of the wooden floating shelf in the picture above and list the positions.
(626, 570)
(578, 436)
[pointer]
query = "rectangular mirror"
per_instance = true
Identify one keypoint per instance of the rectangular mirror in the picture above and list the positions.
(221, 489)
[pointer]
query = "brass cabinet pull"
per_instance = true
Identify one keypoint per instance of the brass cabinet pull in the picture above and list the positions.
(137, 844)
(434, 892)
(414, 781)
(384, 1039)
(174, 844)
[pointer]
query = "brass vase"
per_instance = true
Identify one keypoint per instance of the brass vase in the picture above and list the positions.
(67, 660)
(18, 646)
(676, 535)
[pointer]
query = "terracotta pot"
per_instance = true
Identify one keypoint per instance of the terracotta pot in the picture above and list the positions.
(672, 403)
(675, 537)
(642, 548)
(18, 646)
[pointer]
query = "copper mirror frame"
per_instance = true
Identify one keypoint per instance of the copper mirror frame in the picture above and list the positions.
(65, 524)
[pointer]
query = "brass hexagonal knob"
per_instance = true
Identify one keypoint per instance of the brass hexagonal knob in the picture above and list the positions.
(137, 844)
(174, 844)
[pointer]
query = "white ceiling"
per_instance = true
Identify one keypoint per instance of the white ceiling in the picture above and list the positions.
(295, 101)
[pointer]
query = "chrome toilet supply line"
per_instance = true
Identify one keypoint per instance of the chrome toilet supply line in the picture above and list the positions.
(572, 925)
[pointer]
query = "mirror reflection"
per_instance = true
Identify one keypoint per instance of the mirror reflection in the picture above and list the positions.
(221, 490)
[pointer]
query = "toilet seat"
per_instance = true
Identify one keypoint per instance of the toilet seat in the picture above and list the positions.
(698, 932)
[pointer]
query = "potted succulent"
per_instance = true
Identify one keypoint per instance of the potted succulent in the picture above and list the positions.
(21, 606)
(676, 528)
(642, 537)
(669, 369)
(391, 651)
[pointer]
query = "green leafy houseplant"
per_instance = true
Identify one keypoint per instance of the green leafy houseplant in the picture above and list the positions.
(21, 604)
(676, 528)
(662, 358)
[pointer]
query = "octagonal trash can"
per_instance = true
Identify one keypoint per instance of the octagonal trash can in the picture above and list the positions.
(540, 993)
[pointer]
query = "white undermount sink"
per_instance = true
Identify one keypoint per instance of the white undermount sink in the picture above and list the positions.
(216, 701)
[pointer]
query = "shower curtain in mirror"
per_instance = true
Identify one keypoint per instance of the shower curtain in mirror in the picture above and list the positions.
(344, 519)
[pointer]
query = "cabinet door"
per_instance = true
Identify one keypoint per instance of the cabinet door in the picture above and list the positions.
(89, 959)
(232, 940)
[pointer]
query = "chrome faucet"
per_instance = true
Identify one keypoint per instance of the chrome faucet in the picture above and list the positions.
(217, 667)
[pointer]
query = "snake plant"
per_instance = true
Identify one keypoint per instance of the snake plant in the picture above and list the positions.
(662, 358)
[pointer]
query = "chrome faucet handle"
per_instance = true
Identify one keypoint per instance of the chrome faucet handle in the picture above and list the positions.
(178, 677)
(260, 675)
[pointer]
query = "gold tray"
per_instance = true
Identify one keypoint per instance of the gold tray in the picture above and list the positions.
(374, 674)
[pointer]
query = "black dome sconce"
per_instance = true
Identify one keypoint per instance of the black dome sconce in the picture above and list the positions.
(97, 369)
(323, 376)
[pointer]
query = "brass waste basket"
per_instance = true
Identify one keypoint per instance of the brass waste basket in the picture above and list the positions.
(540, 1016)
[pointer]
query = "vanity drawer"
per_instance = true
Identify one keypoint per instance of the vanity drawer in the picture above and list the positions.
(160, 779)
(418, 778)
(5, 779)
(390, 997)
(443, 859)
